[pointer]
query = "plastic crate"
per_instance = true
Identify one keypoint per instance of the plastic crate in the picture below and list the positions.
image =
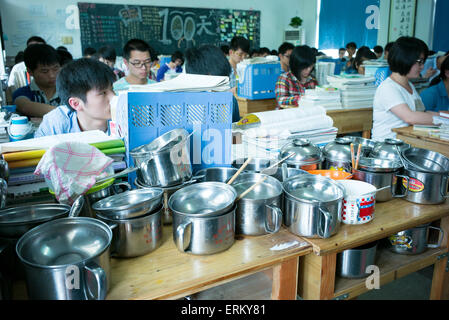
(144, 116)
(259, 81)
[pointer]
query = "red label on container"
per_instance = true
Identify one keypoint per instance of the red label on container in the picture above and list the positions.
(414, 185)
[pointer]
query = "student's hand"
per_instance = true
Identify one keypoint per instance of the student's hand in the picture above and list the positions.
(430, 72)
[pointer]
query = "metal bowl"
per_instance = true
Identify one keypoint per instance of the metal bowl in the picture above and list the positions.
(129, 204)
(203, 199)
(16, 221)
(270, 188)
(313, 188)
(426, 160)
(379, 165)
(218, 174)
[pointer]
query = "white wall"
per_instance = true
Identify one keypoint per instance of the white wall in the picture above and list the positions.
(47, 18)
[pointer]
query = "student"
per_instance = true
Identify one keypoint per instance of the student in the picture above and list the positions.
(378, 50)
(138, 60)
(64, 56)
(387, 49)
(351, 48)
(174, 66)
(254, 53)
(341, 54)
(19, 69)
(108, 56)
(238, 51)
(85, 88)
(285, 51)
(291, 85)
(264, 51)
(39, 97)
(396, 99)
(433, 68)
(436, 97)
(364, 53)
(208, 60)
(89, 52)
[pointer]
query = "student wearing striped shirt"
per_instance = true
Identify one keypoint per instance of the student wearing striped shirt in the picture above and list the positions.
(291, 85)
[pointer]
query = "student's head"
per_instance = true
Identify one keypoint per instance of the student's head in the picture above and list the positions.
(341, 52)
(364, 53)
(302, 61)
(42, 62)
(239, 48)
(89, 52)
(351, 47)
(285, 50)
(137, 58)
(107, 55)
(387, 49)
(225, 48)
(85, 85)
(378, 50)
(254, 53)
(441, 59)
(264, 51)
(444, 73)
(19, 57)
(407, 56)
(64, 56)
(177, 58)
(207, 60)
(35, 40)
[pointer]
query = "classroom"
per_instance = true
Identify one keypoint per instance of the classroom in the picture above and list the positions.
(219, 151)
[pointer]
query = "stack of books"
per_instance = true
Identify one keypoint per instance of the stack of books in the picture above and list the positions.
(356, 91)
(327, 97)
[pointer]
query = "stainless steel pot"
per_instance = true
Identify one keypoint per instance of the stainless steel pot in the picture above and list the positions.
(389, 149)
(413, 241)
(258, 212)
(425, 160)
(16, 221)
(337, 154)
(136, 236)
(218, 174)
(352, 263)
(425, 187)
(380, 180)
(204, 235)
(312, 206)
(257, 165)
(67, 259)
(307, 156)
(165, 161)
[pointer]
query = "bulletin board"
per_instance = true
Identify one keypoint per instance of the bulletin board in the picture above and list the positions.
(402, 19)
(166, 29)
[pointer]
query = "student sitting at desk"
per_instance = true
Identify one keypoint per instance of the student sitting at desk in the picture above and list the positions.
(284, 52)
(351, 48)
(174, 66)
(238, 51)
(137, 58)
(39, 97)
(209, 60)
(396, 99)
(363, 54)
(85, 88)
(108, 56)
(436, 97)
(291, 85)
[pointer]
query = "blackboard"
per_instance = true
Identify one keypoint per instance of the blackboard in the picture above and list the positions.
(166, 29)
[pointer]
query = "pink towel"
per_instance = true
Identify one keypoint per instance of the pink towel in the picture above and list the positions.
(72, 169)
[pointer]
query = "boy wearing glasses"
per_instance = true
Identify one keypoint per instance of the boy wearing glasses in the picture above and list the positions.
(138, 60)
(238, 51)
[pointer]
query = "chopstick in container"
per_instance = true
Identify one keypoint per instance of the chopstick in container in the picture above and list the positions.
(239, 170)
(352, 155)
(251, 188)
(358, 156)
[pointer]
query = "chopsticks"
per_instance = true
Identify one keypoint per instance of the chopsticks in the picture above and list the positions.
(251, 188)
(239, 170)
(352, 155)
(356, 164)
(358, 156)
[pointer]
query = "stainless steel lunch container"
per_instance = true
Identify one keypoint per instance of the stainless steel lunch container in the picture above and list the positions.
(414, 240)
(352, 263)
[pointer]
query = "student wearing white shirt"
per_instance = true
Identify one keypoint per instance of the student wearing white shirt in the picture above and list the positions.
(396, 99)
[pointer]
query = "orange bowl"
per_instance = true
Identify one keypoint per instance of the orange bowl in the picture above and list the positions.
(333, 174)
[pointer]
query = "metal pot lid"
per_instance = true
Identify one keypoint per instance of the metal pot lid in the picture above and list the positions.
(339, 149)
(425, 160)
(32, 214)
(379, 165)
(129, 204)
(304, 152)
(268, 189)
(162, 143)
(255, 165)
(389, 149)
(203, 199)
(313, 188)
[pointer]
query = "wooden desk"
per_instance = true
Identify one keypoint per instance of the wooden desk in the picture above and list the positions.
(317, 275)
(421, 139)
(167, 273)
(247, 106)
(353, 120)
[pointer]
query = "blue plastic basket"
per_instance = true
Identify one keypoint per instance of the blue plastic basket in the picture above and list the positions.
(259, 81)
(144, 116)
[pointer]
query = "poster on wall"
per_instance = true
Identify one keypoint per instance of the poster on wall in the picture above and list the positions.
(402, 19)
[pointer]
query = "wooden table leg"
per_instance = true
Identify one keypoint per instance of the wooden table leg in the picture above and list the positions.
(317, 276)
(285, 280)
(440, 280)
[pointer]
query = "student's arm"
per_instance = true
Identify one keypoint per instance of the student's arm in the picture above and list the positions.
(403, 112)
(32, 109)
(283, 95)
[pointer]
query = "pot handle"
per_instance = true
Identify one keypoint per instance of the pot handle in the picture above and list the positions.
(95, 282)
(77, 206)
(437, 245)
(112, 226)
(407, 178)
(116, 187)
(324, 232)
(276, 218)
(183, 233)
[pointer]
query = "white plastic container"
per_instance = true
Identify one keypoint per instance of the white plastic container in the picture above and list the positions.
(358, 202)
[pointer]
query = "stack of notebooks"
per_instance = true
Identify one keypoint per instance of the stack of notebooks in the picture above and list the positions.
(322, 70)
(23, 156)
(324, 96)
(356, 91)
